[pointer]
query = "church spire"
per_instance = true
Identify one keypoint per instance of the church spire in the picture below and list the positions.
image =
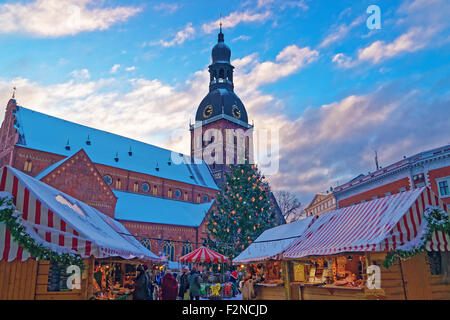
(220, 35)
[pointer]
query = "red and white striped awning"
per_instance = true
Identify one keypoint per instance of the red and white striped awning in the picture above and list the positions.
(380, 225)
(62, 223)
(203, 255)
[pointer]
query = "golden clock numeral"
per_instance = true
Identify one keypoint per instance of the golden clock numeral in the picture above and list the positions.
(207, 112)
(236, 112)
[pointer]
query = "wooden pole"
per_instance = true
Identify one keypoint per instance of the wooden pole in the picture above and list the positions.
(287, 280)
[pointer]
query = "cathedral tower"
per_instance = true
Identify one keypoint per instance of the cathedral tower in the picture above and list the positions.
(221, 134)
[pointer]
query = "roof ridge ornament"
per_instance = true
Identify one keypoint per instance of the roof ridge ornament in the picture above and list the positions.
(14, 93)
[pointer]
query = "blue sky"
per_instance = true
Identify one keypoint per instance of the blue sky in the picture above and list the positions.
(311, 69)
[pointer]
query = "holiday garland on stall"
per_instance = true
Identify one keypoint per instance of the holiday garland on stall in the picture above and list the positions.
(20, 236)
(243, 211)
(436, 219)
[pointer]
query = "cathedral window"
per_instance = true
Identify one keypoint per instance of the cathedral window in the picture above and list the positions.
(108, 179)
(145, 187)
(169, 193)
(169, 250)
(27, 166)
(155, 191)
(177, 194)
(118, 184)
(187, 248)
(198, 198)
(136, 187)
(146, 242)
(186, 197)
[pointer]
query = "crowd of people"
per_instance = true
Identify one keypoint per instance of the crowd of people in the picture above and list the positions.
(186, 285)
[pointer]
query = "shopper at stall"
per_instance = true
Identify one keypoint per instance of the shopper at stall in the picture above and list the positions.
(184, 283)
(194, 285)
(141, 285)
(169, 287)
(248, 291)
(234, 279)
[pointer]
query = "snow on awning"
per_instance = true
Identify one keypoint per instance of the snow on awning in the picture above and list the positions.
(380, 225)
(62, 223)
(272, 242)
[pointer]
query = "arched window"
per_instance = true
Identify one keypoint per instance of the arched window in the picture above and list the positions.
(155, 191)
(186, 197)
(169, 193)
(198, 198)
(146, 242)
(108, 179)
(187, 248)
(118, 184)
(177, 194)
(136, 187)
(145, 187)
(169, 250)
(221, 74)
(27, 166)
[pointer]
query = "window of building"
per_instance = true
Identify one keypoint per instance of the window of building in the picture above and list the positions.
(108, 179)
(434, 261)
(187, 248)
(388, 194)
(155, 191)
(205, 198)
(145, 187)
(118, 184)
(27, 166)
(198, 198)
(169, 193)
(169, 250)
(402, 189)
(136, 187)
(443, 186)
(146, 242)
(186, 197)
(177, 194)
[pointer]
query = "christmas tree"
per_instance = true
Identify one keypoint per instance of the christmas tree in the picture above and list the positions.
(243, 211)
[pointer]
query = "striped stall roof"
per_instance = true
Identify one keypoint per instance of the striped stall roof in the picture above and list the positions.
(62, 223)
(203, 255)
(383, 224)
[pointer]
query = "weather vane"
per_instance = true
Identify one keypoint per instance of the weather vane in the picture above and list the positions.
(220, 21)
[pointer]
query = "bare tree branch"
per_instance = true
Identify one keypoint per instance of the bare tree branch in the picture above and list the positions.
(289, 205)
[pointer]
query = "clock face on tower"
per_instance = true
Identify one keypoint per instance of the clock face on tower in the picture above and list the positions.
(208, 111)
(236, 112)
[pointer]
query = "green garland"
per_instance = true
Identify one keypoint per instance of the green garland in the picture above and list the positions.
(20, 236)
(436, 220)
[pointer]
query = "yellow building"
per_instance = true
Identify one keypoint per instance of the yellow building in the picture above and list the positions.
(321, 203)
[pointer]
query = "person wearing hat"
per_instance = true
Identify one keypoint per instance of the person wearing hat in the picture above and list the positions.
(141, 285)
(234, 279)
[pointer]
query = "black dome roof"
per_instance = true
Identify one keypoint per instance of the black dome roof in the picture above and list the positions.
(218, 98)
(221, 52)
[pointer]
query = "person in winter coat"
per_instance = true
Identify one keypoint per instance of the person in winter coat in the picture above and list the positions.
(194, 285)
(169, 287)
(184, 283)
(234, 279)
(141, 285)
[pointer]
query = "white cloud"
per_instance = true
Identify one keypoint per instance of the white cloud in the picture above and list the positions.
(235, 18)
(181, 36)
(57, 18)
(413, 40)
(114, 68)
(167, 7)
(81, 74)
(132, 68)
(241, 37)
(340, 31)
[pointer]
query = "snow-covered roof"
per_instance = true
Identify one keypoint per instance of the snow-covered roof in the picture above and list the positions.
(47, 133)
(261, 251)
(142, 208)
(85, 230)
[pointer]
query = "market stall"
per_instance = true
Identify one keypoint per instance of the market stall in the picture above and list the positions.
(352, 253)
(261, 258)
(46, 237)
(202, 256)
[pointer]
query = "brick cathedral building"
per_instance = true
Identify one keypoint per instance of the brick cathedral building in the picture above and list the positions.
(159, 195)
